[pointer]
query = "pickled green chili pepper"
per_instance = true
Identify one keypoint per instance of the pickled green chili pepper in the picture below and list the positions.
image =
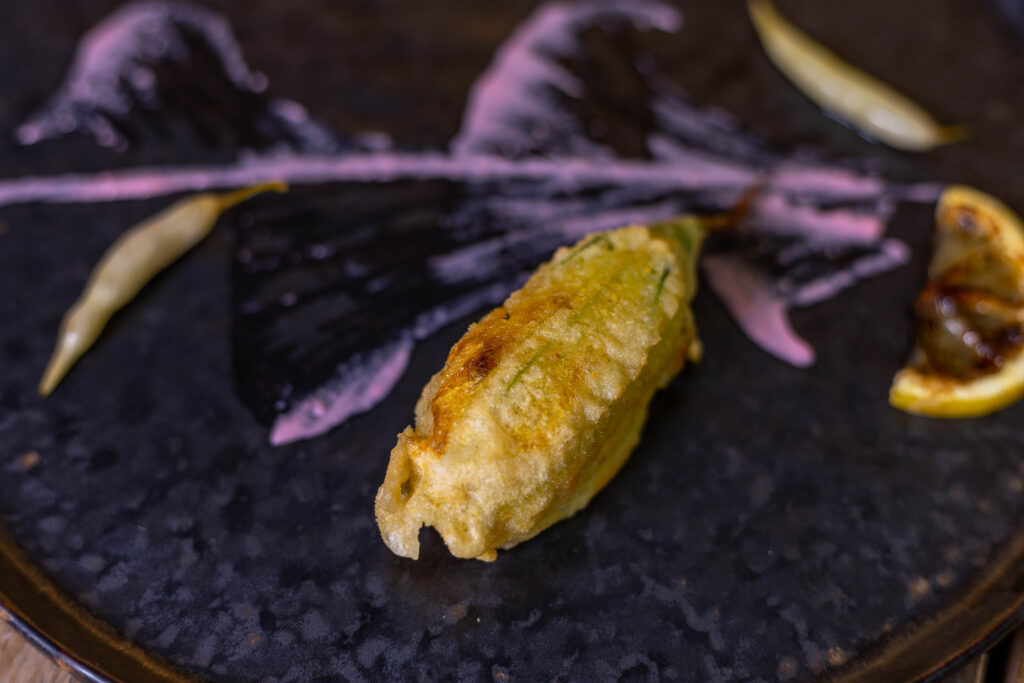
(132, 261)
(863, 101)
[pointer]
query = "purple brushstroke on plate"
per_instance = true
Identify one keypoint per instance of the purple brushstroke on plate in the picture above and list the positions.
(326, 319)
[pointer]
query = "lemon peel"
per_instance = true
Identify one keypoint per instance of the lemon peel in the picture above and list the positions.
(976, 273)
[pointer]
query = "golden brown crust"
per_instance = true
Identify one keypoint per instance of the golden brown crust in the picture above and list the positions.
(541, 402)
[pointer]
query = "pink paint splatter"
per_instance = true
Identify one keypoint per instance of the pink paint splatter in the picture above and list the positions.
(893, 254)
(357, 387)
(782, 214)
(761, 313)
(506, 94)
(513, 130)
(109, 56)
(364, 381)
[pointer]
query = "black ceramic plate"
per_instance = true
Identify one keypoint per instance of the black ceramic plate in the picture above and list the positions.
(774, 523)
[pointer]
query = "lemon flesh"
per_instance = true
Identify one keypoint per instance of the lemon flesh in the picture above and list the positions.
(968, 358)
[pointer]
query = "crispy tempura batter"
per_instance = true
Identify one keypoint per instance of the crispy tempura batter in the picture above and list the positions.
(541, 402)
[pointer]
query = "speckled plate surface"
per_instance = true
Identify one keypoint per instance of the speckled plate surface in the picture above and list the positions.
(775, 523)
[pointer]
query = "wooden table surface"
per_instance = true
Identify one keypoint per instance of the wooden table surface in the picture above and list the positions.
(21, 662)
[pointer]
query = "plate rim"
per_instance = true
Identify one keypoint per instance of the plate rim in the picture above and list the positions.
(100, 655)
(67, 632)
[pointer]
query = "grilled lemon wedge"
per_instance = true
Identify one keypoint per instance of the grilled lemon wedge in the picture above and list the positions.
(968, 359)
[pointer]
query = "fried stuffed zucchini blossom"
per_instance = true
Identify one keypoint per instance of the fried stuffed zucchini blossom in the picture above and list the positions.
(542, 401)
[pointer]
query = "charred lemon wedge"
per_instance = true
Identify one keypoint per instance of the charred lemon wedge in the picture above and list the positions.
(968, 358)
